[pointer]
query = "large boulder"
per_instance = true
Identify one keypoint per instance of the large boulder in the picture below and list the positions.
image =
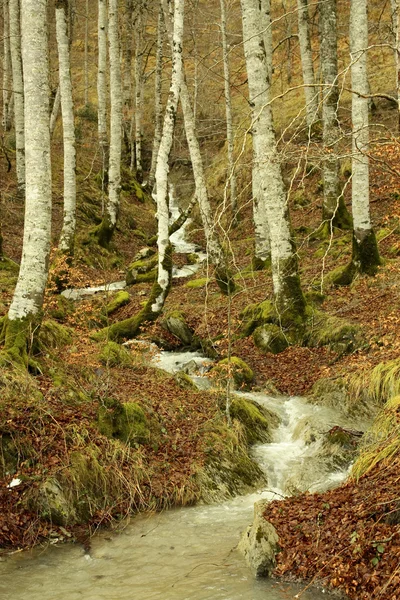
(259, 543)
(270, 338)
(175, 323)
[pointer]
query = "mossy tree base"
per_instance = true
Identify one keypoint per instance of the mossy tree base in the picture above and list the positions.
(103, 233)
(365, 259)
(19, 337)
(225, 281)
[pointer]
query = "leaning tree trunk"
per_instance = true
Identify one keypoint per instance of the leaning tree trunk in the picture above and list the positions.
(365, 254)
(67, 238)
(18, 87)
(334, 211)
(102, 87)
(7, 87)
(25, 310)
(289, 299)
(307, 62)
(159, 292)
(216, 254)
(106, 229)
(157, 98)
(228, 111)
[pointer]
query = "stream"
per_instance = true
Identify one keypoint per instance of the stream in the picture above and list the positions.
(187, 553)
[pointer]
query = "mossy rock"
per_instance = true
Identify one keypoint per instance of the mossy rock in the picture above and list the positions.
(53, 335)
(175, 323)
(300, 198)
(255, 315)
(256, 419)
(240, 371)
(198, 283)
(270, 338)
(142, 270)
(314, 298)
(113, 355)
(184, 381)
(62, 309)
(54, 504)
(340, 335)
(123, 421)
(341, 276)
(120, 299)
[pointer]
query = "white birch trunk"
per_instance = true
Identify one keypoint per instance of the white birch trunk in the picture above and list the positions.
(364, 241)
(139, 84)
(55, 111)
(228, 112)
(395, 9)
(7, 84)
(262, 243)
(18, 89)
(164, 247)
(157, 97)
(307, 62)
(127, 74)
(28, 296)
(114, 171)
(214, 248)
(102, 81)
(334, 211)
(67, 238)
(288, 296)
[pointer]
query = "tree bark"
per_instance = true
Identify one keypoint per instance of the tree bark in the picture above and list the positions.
(18, 89)
(86, 56)
(307, 62)
(289, 299)
(365, 254)
(102, 86)
(229, 118)
(157, 97)
(139, 85)
(67, 238)
(127, 76)
(334, 211)
(7, 84)
(26, 305)
(55, 111)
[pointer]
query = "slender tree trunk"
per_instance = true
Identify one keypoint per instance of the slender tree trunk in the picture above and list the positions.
(86, 59)
(262, 242)
(7, 85)
(55, 111)
(289, 299)
(18, 88)
(106, 229)
(26, 305)
(154, 306)
(307, 62)
(395, 9)
(127, 75)
(139, 84)
(228, 110)
(67, 238)
(102, 85)
(158, 107)
(334, 211)
(215, 251)
(365, 256)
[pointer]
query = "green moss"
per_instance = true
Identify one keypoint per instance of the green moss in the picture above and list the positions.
(346, 168)
(224, 280)
(63, 308)
(18, 336)
(120, 299)
(192, 259)
(198, 283)
(300, 198)
(236, 368)
(141, 271)
(314, 298)
(113, 355)
(184, 381)
(123, 421)
(270, 338)
(53, 335)
(258, 264)
(255, 419)
(340, 335)
(255, 315)
(365, 259)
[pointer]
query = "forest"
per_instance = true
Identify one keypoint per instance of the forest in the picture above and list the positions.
(199, 280)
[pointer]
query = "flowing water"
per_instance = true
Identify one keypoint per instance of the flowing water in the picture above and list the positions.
(187, 553)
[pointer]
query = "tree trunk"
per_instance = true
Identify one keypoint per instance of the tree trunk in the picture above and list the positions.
(262, 242)
(127, 76)
(86, 59)
(106, 229)
(310, 92)
(18, 88)
(215, 251)
(229, 119)
(26, 305)
(139, 85)
(102, 86)
(365, 255)
(395, 9)
(334, 211)
(157, 97)
(55, 111)
(154, 305)
(289, 299)
(7, 85)
(67, 238)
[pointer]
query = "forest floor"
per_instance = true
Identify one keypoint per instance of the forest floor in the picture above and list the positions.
(341, 538)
